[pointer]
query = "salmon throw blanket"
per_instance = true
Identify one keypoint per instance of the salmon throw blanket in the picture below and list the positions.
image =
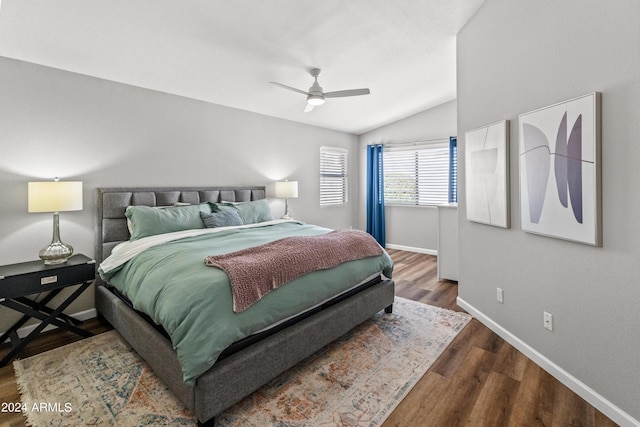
(256, 271)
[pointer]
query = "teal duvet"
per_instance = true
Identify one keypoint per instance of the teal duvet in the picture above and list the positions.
(193, 302)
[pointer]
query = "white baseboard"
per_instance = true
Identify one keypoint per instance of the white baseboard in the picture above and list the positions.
(581, 389)
(82, 315)
(411, 249)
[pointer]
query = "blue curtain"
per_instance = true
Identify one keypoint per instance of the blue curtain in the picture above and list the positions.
(453, 169)
(375, 194)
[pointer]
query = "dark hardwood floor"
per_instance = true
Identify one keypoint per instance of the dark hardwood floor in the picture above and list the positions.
(480, 380)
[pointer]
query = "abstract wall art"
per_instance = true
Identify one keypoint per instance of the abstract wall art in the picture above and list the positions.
(487, 174)
(560, 192)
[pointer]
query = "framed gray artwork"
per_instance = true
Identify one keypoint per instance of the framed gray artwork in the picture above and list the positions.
(560, 171)
(487, 174)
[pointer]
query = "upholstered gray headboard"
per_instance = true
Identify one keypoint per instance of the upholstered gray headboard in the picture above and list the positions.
(111, 224)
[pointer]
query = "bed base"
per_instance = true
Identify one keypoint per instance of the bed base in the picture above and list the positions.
(238, 375)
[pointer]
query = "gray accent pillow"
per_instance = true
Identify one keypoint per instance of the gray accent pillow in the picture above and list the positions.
(250, 212)
(222, 218)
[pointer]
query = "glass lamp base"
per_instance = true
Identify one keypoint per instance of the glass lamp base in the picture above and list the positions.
(56, 253)
(286, 210)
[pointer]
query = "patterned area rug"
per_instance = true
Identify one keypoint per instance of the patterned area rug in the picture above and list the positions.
(356, 381)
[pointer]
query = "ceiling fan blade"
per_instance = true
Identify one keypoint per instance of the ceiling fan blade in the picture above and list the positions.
(350, 92)
(308, 108)
(290, 88)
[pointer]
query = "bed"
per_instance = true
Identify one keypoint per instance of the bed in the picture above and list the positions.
(249, 362)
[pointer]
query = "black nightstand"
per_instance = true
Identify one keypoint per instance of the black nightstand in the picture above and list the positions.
(28, 278)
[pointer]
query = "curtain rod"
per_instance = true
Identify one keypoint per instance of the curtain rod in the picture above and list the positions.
(403, 143)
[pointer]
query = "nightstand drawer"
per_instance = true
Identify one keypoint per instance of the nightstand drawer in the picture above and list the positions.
(33, 277)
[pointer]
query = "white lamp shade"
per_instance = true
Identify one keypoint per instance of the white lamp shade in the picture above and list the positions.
(287, 189)
(55, 196)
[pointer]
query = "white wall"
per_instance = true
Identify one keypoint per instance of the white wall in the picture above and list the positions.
(57, 123)
(515, 57)
(408, 226)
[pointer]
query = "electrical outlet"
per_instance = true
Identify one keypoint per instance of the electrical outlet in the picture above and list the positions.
(499, 295)
(548, 321)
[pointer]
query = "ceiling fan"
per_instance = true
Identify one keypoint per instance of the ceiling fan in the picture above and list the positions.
(315, 95)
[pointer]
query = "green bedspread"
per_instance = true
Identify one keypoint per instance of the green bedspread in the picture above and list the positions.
(193, 302)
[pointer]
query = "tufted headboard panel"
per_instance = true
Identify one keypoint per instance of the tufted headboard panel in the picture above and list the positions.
(111, 224)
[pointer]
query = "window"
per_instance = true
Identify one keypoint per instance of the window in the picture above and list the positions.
(420, 175)
(333, 176)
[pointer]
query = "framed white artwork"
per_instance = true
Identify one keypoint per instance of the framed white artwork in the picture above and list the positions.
(560, 171)
(487, 174)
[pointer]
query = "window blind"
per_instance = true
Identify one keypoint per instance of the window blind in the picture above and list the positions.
(417, 175)
(333, 176)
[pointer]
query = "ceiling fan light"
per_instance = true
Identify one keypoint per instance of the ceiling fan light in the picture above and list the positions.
(315, 100)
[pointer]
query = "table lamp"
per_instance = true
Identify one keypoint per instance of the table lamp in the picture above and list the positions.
(55, 196)
(286, 190)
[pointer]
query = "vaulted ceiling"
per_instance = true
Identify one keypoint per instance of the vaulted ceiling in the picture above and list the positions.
(226, 51)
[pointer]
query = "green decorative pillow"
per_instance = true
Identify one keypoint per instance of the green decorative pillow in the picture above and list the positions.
(250, 212)
(147, 221)
(222, 218)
